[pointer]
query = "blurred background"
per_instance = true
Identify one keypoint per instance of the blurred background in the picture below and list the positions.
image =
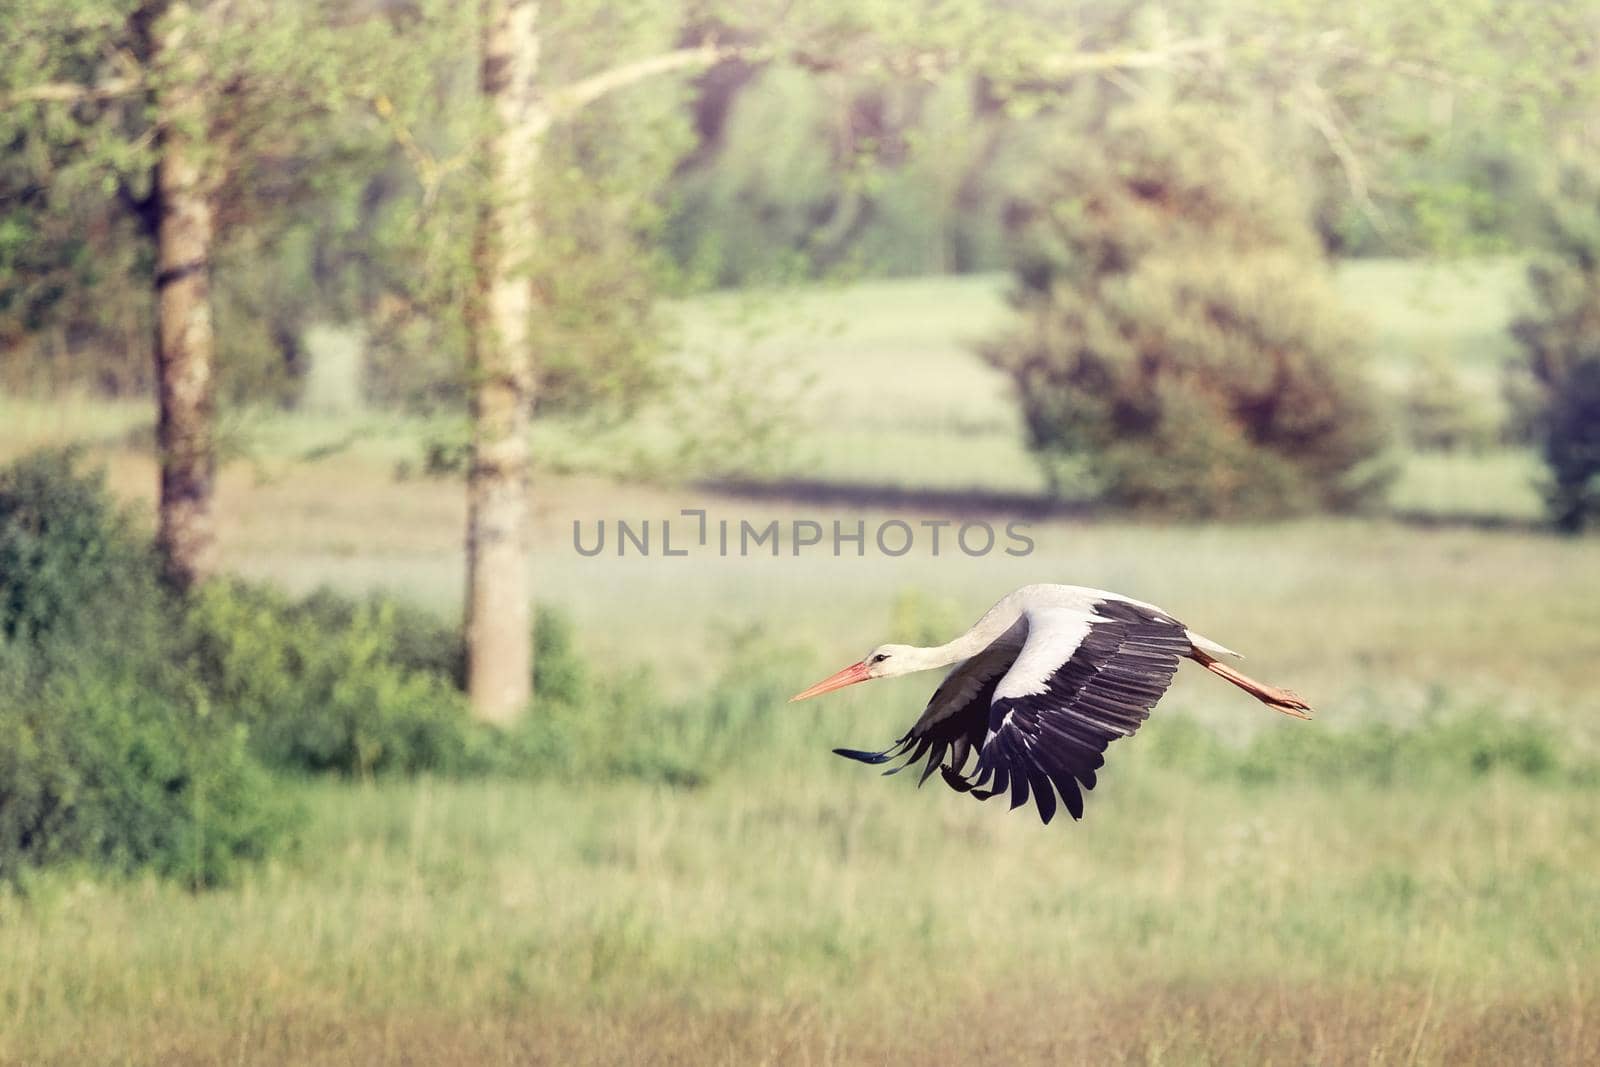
(330, 331)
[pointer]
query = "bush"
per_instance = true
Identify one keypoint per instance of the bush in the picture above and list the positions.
(108, 754)
(71, 565)
(321, 685)
(1559, 391)
(1179, 339)
(359, 686)
(620, 728)
(418, 639)
(97, 767)
(136, 728)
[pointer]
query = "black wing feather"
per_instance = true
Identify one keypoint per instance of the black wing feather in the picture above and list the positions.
(1104, 691)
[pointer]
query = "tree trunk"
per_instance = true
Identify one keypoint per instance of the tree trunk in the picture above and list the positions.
(185, 356)
(499, 634)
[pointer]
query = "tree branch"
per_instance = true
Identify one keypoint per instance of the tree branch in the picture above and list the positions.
(1408, 68)
(579, 94)
(1322, 113)
(1087, 62)
(70, 93)
(430, 170)
(585, 91)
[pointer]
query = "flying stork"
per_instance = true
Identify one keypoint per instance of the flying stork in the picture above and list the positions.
(1038, 688)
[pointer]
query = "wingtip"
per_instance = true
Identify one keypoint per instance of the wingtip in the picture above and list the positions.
(862, 757)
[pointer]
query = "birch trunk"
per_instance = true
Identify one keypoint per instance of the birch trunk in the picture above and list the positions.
(499, 634)
(185, 356)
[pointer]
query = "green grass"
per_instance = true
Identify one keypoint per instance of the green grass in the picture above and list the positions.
(889, 389)
(1456, 311)
(801, 909)
(815, 912)
(1498, 486)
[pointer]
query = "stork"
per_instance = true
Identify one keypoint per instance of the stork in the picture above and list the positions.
(1038, 688)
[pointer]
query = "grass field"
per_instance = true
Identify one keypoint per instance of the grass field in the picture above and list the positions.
(814, 914)
(799, 909)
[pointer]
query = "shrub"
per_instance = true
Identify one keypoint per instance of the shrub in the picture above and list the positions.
(97, 767)
(1179, 338)
(372, 685)
(321, 685)
(418, 639)
(560, 675)
(1560, 336)
(71, 564)
(109, 755)
(621, 728)
(134, 725)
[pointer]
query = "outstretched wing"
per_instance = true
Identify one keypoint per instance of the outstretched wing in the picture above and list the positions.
(957, 715)
(1082, 680)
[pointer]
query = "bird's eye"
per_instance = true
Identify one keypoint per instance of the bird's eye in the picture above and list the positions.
(880, 657)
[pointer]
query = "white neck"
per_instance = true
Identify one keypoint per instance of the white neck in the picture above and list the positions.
(996, 621)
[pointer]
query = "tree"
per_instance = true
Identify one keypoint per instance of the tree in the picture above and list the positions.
(176, 116)
(1178, 338)
(1411, 127)
(114, 60)
(499, 641)
(505, 303)
(500, 326)
(185, 233)
(1560, 338)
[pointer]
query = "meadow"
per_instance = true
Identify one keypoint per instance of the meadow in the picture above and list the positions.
(1426, 900)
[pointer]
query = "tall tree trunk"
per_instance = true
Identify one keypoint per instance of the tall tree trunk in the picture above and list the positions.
(185, 355)
(499, 635)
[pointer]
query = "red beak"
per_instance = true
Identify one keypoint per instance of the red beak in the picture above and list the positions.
(856, 672)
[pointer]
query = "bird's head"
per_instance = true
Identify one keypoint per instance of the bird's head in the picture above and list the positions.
(885, 661)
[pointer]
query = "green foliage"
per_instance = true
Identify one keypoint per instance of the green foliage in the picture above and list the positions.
(322, 693)
(341, 155)
(71, 565)
(599, 346)
(1559, 382)
(367, 687)
(617, 728)
(339, 169)
(417, 639)
(68, 245)
(134, 725)
(1178, 334)
(98, 767)
(282, 158)
(108, 754)
(801, 175)
(560, 675)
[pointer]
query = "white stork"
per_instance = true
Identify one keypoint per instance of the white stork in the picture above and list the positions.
(1049, 677)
